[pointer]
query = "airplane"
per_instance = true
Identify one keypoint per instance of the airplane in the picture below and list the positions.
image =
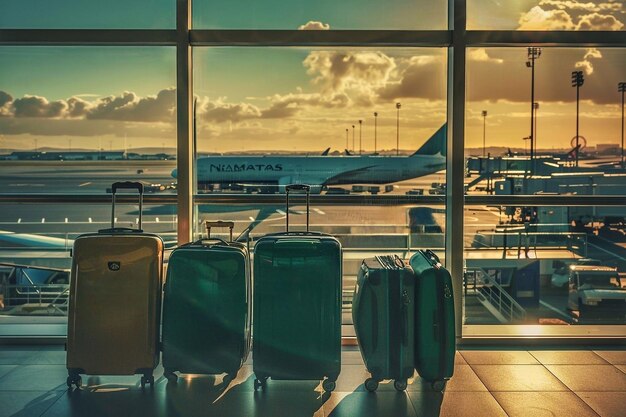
(269, 173)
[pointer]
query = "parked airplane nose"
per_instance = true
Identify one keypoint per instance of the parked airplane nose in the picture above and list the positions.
(174, 173)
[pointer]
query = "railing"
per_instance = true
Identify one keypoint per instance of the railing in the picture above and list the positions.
(36, 299)
(575, 242)
(478, 282)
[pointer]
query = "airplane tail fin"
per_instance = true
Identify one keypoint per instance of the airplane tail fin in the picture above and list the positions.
(325, 153)
(348, 153)
(436, 144)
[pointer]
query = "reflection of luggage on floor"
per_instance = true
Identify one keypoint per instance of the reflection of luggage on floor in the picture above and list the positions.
(434, 307)
(115, 301)
(383, 313)
(206, 307)
(297, 305)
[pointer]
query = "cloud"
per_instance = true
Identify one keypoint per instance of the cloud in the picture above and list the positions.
(289, 105)
(422, 77)
(130, 107)
(586, 64)
(36, 106)
(480, 54)
(540, 19)
(314, 25)
(587, 7)
(219, 111)
(596, 21)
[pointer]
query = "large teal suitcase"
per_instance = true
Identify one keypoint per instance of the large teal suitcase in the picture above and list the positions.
(206, 307)
(435, 331)
(383, 313)
(297, 305)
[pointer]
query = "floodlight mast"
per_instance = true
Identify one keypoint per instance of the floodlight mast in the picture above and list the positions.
(577, 81)
(533, 54)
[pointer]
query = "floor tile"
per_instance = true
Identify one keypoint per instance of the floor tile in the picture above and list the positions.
(568, 357)
(621, 368)
(500, 357)
(27, 403)
(5, 369)
(543, 404)
(456, 404)
(606, 404)
(613, 356)
(464, 379)
(598, 378)
(35, 378)
(47, 357)
(458, 359)
(517, 378)
(368, 404)
(16, 356)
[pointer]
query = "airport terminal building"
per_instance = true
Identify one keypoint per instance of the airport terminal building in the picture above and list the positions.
(486, 136)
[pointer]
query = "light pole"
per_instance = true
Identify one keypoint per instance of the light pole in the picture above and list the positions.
(577, 81)
(621, 87)
(360, 137)
(352, 138)
(347, 145)
(398, 130)
(533, 54)
(536, 108)
(376, 130)
(484, 131)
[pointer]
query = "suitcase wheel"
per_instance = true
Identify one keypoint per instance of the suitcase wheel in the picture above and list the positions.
(328, 385)
(438, 385)
(371, 384)
(74, 380)
(260, 383)
(400, 384)
(170, 376)
(147, 379)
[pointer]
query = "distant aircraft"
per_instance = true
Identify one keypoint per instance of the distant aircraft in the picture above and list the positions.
(275, 172)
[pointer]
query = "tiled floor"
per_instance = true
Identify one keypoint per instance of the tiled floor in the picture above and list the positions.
(486, 383)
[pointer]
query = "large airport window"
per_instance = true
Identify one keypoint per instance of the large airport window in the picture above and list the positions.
(88, 14)
(546, 15)
(532, 265)
(569, 141)
(321, 15)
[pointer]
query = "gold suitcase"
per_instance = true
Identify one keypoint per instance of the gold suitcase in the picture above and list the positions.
(115, 301)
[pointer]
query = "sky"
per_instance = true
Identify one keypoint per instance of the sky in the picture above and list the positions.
(304, 99)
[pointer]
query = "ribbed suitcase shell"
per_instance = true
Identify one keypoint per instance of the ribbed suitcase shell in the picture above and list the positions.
(435, 332)
(297, 306)
(383, 313)
(114, 312)
(206, 309)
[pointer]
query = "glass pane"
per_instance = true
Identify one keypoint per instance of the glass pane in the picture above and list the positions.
(76, 119)
(575, 132)
(320, 15)
(535, 266)
(88, 14)
(545, 15)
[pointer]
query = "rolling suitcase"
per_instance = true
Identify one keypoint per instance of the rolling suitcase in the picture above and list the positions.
(383, 313)
(297, 305)
(435, 334)
(115, 301)
(206, 307)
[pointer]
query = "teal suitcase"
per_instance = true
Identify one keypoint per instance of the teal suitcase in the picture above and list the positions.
(435, 331)
(383, 313)
(206, 307)
(297, 306)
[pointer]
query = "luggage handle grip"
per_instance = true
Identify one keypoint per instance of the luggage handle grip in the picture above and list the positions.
(204, 241)
(127, 185)
(298, 187)
(217, 224)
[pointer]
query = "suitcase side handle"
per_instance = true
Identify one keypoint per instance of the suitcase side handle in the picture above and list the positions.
(219, 224)
(307, 190)
(126, 185)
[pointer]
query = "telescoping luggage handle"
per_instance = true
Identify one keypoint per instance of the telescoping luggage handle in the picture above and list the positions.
(299, 187)
(219, 223)
(126, 185)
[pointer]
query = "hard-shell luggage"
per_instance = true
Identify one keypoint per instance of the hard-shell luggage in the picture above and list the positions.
(434, 308)
(383, 313)
(115, 301)
(207, 307)
(297, 305)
